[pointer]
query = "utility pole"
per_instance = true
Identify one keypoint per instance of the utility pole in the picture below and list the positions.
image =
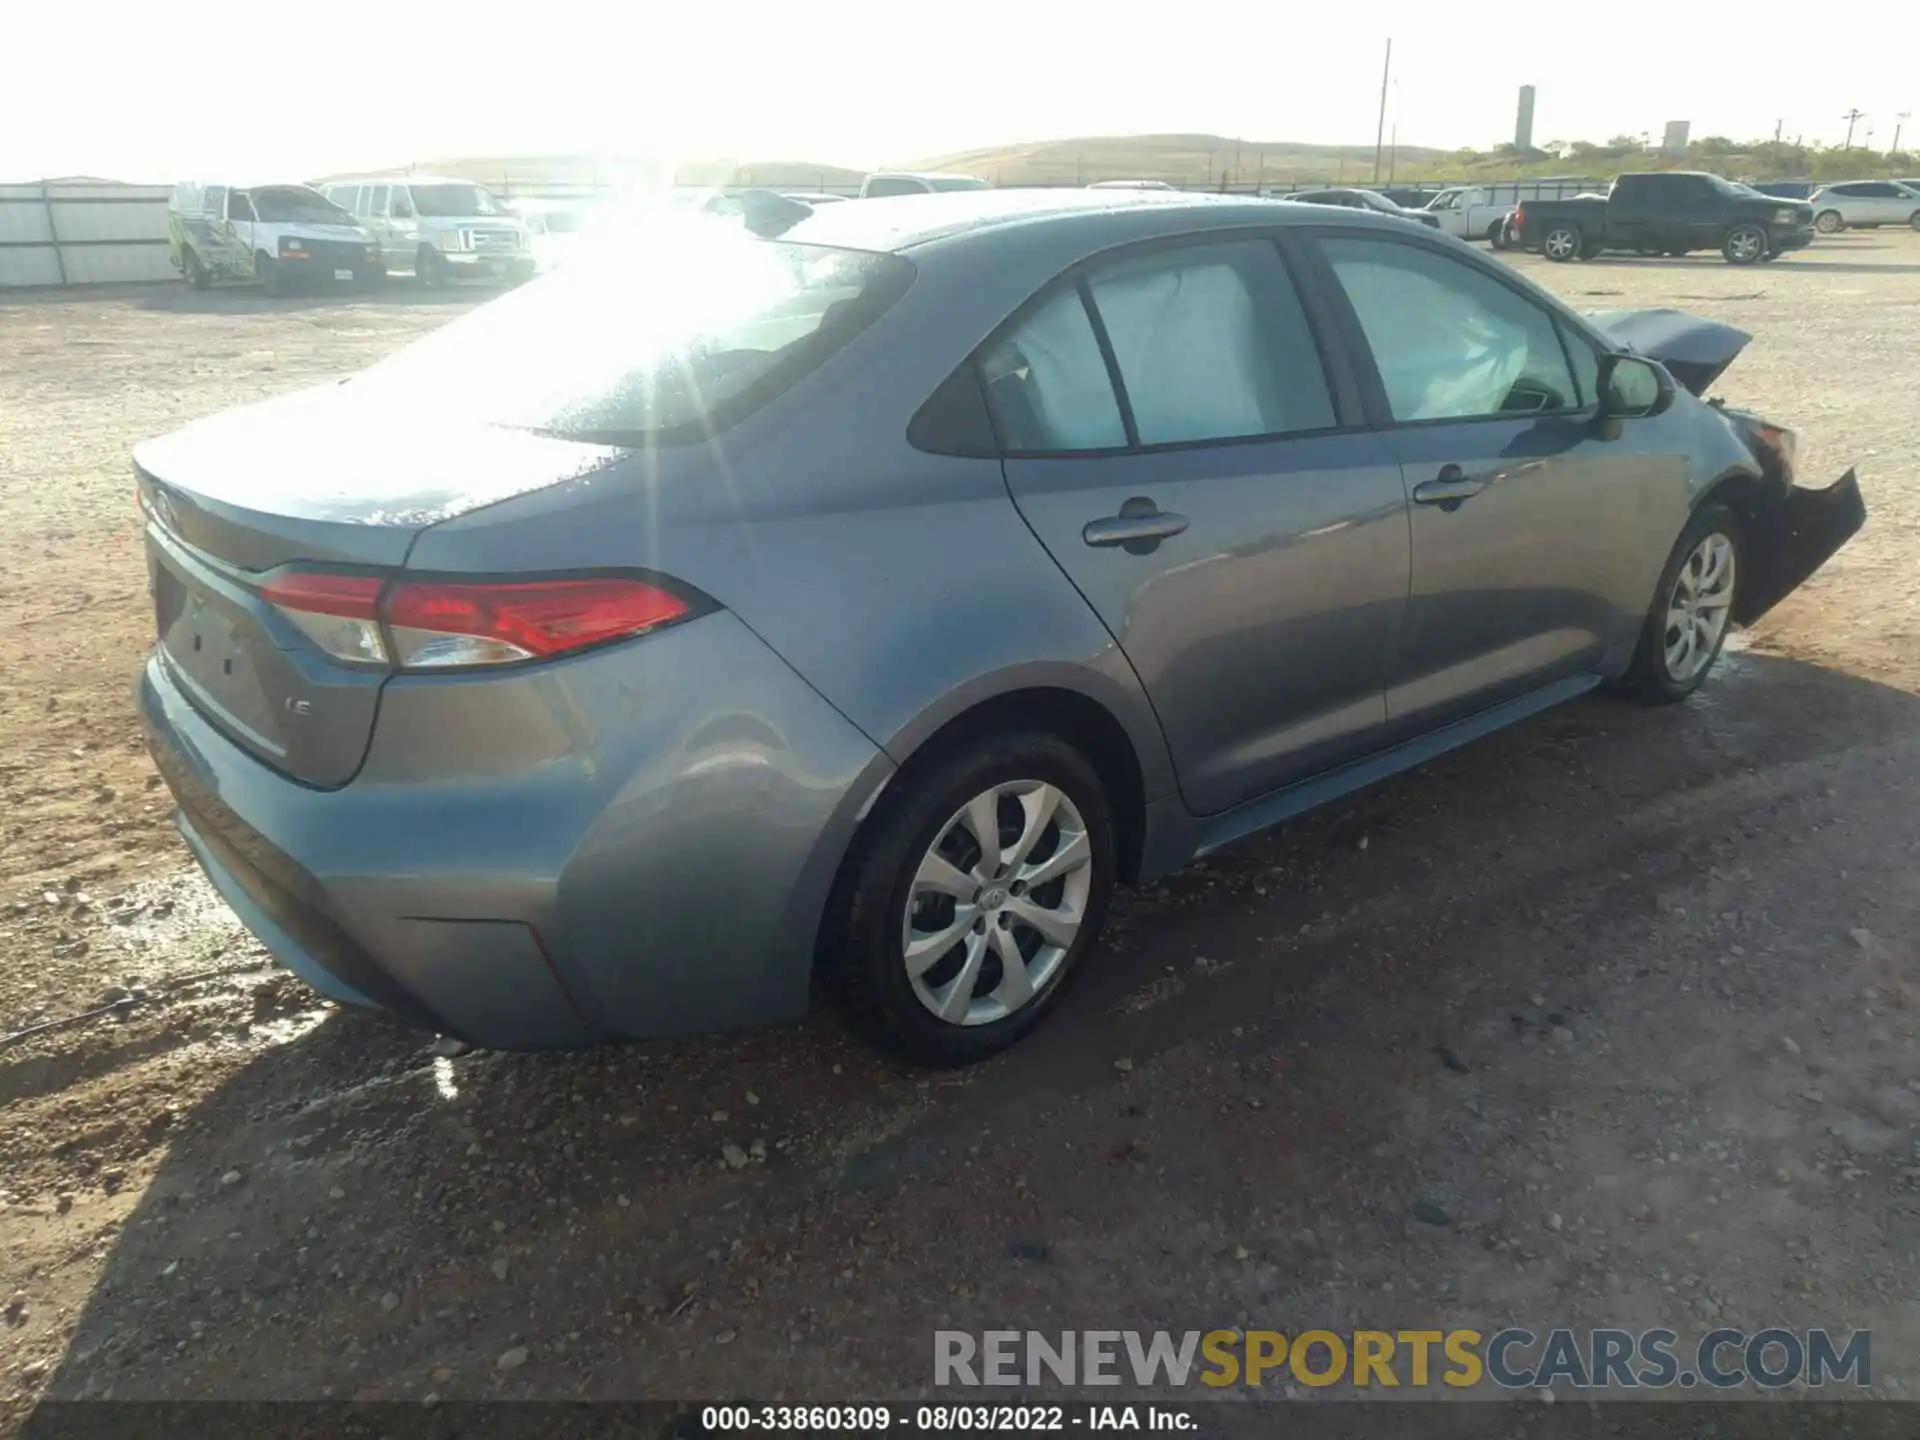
(1380, 130)
(1393, 151)
(1852, 117)
(1899, 123)
(1778, 125)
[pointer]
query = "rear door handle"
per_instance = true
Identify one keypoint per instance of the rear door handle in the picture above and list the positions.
(1451, 486)
(1139, 526)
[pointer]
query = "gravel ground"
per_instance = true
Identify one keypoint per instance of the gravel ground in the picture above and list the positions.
(1609, 1019)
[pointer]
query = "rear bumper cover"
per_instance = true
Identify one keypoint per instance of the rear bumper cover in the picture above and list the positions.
(637, 842)
(1791, 538)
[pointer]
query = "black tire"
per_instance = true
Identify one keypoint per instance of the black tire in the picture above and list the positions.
(1746, 244)
(198, 276)
(273, 279)
(1913, 220)
(1497, 234)
(1648, 677)
(429, 269)
(1562, 242)
(862, 947)
(1829, 222)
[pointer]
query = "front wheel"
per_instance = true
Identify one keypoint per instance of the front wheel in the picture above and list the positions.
(198, 276)
(1692, 609)
(272, 278)
(1913, 220)
(430, 268)
(1561, 243)
(1828, 222)
(977, 896)
(1746, 244)
(1497, 234)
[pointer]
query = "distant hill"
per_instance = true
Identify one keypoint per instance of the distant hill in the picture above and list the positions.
(1177, 159)
(1189, 160)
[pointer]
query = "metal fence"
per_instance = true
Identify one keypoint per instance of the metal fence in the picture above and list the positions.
(80, 233)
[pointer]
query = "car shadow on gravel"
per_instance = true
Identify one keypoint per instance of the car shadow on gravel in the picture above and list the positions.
(353, 1215)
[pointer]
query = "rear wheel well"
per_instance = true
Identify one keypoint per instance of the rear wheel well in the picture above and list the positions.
(1083, 723)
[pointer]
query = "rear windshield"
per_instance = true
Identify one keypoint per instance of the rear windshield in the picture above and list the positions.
(453, 202)
(659, 337)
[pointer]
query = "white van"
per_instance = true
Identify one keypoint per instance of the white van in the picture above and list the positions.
(280, 235)
(439, 230)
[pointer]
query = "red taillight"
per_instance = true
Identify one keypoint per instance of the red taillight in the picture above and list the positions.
(466, 623)
(339, 613)
(1519, 216)
(436, 624)
(354, 597)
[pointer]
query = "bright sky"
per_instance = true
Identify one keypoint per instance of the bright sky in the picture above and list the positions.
(139, 90)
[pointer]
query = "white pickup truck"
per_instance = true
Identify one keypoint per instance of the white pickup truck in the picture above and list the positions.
(1471, 212)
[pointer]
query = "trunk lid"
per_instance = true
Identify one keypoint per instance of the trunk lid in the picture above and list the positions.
(322, 479)
(1696, 352)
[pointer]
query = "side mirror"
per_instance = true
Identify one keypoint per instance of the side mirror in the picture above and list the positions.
(1632, 388)
(401, 212)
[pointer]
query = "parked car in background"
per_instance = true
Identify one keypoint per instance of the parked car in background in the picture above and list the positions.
(902, 182)
(439, 230)
(1671, 212)
(1864, 204)
(554, 228)
(1130, 185)
(1354, 199)
(281, 235)
(1469, 212)
(1784, 189)
(868, 602)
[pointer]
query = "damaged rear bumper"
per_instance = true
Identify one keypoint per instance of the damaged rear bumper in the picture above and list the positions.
(1791, 538)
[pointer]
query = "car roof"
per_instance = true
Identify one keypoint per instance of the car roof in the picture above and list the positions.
(397, 180)
(913, 222)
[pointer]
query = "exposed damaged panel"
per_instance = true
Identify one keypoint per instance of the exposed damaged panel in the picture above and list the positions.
(1792, 538)
(1695, 351)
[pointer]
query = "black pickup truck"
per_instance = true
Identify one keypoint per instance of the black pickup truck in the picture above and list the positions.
(1667, 212)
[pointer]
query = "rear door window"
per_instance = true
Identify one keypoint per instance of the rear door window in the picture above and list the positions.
(1212, 344)
(375, 199)
(1448, 341)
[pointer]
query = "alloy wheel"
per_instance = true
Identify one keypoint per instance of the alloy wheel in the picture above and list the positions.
(1698, 607)
(1746, 244)
(997, 902)
(1561, 244)
(1828, 222)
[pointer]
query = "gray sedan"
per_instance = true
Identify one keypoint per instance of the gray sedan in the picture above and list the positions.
(861, 606)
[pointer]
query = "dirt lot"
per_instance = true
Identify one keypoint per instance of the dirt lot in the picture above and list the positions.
(1611, 1019)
